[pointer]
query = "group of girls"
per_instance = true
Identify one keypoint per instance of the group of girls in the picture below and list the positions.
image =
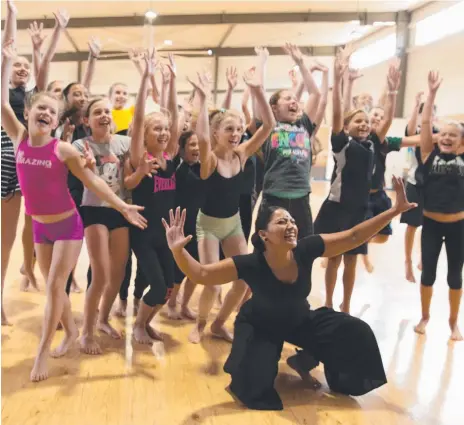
(116, 174)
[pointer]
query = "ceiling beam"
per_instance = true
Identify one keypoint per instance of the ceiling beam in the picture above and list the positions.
(71, 40)
(226, 35)
(217, 19)
(195, 53)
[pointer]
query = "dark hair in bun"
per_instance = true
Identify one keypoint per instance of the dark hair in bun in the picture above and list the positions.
(264, 217)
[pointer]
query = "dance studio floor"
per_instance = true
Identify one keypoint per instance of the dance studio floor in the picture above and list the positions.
(135, 385)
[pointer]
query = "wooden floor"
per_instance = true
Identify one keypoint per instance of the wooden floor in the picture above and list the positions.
(134, 385)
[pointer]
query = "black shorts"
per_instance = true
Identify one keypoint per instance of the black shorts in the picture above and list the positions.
(106, 216)
(10, 183)
(414, 217)
(334, 217)
(299, 209)
(192, 249)
(379, 202)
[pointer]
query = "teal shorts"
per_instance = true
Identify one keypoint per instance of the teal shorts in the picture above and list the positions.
(218, 228)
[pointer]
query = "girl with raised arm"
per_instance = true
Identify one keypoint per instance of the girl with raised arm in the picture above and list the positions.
(279, 275)
(443, 220)
(42, 164)
(218, 222)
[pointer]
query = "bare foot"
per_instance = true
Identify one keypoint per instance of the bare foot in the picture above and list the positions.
(121, 310)
(420, 328)
(324, 263)
(5, 321)
(367, 264)
(343, 309)
(141, 335)
(410, 272)
(221, 332)
(136, 306)
(40, 370)
(75, 287)
(455, 333)
(66, 343)
(108, 329)
(173, 314)
(24, 285)
(153, 333)
(419, 265)
(328, 305)
(188, 314)
(90, 346)
(197, 332)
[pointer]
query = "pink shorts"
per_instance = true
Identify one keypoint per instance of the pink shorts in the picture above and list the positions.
(69, 229)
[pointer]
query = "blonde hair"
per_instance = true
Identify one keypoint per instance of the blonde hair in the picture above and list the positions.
(456, 124)
(149, 118)
(31, 100)
(350, 115)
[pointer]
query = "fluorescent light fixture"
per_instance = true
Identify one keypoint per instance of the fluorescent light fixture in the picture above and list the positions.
(168, 42)
(384, 24)
(150, 14)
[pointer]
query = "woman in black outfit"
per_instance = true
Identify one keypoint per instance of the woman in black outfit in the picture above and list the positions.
(443, 220)
(278, 273)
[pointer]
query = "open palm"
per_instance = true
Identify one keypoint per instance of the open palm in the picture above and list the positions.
(402, 204)
(175, 230)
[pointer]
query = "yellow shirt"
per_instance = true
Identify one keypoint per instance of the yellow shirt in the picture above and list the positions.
(122, 118)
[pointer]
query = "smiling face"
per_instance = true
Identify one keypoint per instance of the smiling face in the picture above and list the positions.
(42, 115)
(77, 96)
(20, 72)
(119, 95)
(358, 126)
(285, 106)
(157, 133)
(56, 89)
(450, 140)
(228, 129)
(99, 118)
(281, 230)
(192, 150)
(376, 116)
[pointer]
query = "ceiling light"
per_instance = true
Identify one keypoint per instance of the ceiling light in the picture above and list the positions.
(384, 24)
(150, 14)
(355, 22)
(210, 52)
(168, 42)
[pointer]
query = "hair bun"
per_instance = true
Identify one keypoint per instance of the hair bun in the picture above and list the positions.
(257, 242)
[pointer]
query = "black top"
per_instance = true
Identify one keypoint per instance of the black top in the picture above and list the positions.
(157, 195)
(444, 182)
(276, 304)
(223, 194)
(190, 193)
(381, 150)
(354, 167)
(17, 102)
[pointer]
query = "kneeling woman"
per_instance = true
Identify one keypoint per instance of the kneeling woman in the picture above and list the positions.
(278, 274)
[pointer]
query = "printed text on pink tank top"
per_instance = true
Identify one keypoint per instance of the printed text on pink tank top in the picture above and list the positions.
(21, 159)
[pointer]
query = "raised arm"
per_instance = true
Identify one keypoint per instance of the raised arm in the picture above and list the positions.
(136, 56)
(393, 83)
(252, 145)
(94, 53)
(261, 69)
(207, 157)
(232, 80)
(166, 80)
(173, 144)
(350, 76)
(245, 109)
(11, 25)
(13, 127)
(411, 129)
(426, 133)
(320, 113)
(337, 107)
(138, 129)
(208, 274)
(61, 21)
(37, 38)
(314, 94)
(341, 242)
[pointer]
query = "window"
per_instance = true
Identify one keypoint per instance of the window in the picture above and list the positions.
(374, 53)
(440, 25)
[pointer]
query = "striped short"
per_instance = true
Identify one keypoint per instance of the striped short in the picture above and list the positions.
(10, 182)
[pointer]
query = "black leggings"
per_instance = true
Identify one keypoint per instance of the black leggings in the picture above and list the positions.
(140, 283)
(155, 261)
(434, 234)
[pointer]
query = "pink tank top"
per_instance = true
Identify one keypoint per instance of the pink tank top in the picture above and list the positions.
(43, 179)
